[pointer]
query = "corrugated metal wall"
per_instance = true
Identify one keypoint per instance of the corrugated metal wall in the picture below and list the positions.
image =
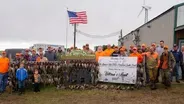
(161, 28)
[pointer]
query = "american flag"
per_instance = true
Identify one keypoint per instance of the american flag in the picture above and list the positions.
(77, 17)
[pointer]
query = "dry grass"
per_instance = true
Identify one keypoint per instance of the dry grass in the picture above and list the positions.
(175, 95)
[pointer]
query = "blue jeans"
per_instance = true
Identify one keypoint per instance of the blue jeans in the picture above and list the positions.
(3, 81)
(176, 71)
(21, 84)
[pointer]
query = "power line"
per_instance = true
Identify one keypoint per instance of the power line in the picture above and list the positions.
(98, 36)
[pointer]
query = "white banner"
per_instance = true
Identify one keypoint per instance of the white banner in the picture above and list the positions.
(118, 69)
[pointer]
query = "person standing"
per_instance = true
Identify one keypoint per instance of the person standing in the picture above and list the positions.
(144, 50)
(167, 63)
(41, 58)
(116, 52)
(50, 55)
(17, 57)
(136, 54)
(59, 54)
(26, 55)
(4, 66)
(109, 50)
(179, 59)
(123, 53)
(182, 64)
(88, 50)
(36, 79)
(99, 53)
(159, 50)
(33, 56)
(152, 60)
(21, 75)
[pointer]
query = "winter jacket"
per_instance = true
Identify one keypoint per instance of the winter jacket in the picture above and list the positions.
(177, 55)
(171, 60)
(115, 54)
(33, 58)
(21, 74)
(51, 56)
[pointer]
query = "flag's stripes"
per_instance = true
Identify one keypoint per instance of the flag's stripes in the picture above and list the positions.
(79, 17)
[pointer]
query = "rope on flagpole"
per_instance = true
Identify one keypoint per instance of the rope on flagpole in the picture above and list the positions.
(99, 36)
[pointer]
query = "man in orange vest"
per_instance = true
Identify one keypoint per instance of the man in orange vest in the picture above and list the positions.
(152, 60)
(99, 53)
(136, 54)
(109, 50)
(4, 66)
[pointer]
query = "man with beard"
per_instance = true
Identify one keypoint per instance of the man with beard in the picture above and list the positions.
(167, 63)
(152, 60)
(4, 66)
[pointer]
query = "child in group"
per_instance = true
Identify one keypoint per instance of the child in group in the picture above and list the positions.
(36, 79)
(21, 75)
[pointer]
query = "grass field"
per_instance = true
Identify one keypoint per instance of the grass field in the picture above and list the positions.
(174, 95)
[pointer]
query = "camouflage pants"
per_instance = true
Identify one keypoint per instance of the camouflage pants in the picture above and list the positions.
(152, 73)
(165, 73)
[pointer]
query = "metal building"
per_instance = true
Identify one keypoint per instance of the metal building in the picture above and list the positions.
(168, 26)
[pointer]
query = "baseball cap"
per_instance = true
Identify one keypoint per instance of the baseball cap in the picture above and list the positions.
(175, 45)
(122, 49)
(165, 47)
(17, 54)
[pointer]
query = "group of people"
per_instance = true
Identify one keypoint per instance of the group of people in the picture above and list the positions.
(21, 76)
(49, 55)
(157, 61)
(21, 72)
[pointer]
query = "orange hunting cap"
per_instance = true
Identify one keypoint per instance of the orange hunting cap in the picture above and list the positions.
(166, 47)
(18, 54)
(122, 49)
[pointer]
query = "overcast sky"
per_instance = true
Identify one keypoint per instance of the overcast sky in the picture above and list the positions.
(25, 22)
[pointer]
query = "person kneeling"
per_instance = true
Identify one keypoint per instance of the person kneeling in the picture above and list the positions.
(21, 75)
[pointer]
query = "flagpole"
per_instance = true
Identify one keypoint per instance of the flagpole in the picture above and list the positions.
(75, 30)
(66, 29)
